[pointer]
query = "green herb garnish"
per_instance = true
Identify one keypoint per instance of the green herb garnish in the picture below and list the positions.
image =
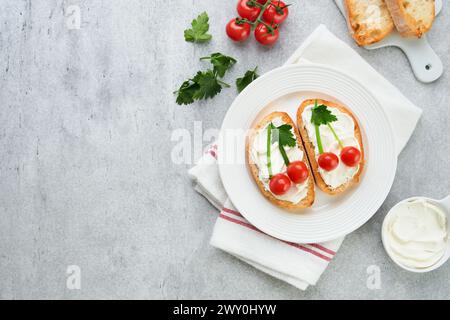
(285, 138)
(205, 84)
(249, 77)
(220, 62)
(321, 115)
(198, 32)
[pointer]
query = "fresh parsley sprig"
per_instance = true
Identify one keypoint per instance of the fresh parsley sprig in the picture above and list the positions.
(285, 138)
(249, 77)
(321, 115)
(220, 62)
(205, 84)
(199, 31)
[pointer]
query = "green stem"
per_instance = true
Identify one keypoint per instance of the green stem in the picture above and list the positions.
(284, 155)
(226, 85)
(335, 135)
(258, 20)
(319, 140)
(269, 146)
(263, 8)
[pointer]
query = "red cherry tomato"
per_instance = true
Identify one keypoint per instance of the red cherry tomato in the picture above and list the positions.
(264, 36)
(237, 30)
(328, 161)
(246, 11)
(350, 156)
(262, 1)
(298, 171)
(279, 184)
(277, 12)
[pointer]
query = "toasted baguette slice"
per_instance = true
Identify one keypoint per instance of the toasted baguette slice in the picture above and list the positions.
(369, 21)
(309, 199)
(310, 148)
(412, 18)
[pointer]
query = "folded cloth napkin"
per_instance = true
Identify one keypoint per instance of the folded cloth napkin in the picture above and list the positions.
(298, 264)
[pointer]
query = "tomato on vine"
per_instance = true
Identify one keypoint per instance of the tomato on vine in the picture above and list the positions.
(262, 16)
(238, 30)
(248, 10)
(277, 12)
(266, 35)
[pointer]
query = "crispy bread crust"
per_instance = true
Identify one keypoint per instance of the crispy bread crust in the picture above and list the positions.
(361, 34)
(406, 25)
(309, 199)
(310, 150)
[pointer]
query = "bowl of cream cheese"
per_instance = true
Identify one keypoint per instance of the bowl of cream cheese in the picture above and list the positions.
(415, 233)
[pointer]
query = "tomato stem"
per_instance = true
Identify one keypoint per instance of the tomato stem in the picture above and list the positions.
(258, 20)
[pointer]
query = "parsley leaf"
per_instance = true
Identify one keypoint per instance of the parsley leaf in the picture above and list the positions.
(208, 85)
(220, 62)
(321, 115)
(203, 86)
(186, 92)
(285, 137)
(200, 27)
(249, 77)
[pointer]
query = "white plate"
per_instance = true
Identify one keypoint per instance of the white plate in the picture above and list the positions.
(283, 89)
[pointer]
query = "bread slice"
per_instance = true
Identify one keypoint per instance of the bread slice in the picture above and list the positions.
(412, 18)
(310, 148)
(369, 21)
(309, 199)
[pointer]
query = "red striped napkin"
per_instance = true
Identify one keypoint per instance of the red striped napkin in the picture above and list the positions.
(295, 263)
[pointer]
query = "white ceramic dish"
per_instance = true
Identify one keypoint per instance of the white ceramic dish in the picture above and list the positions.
(283, 89)
(444, 204)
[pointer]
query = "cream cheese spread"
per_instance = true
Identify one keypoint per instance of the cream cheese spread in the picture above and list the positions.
(297, 192)
(416, 233)
(345, 129)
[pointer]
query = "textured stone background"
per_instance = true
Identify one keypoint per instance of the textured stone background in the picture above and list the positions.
(86, 178)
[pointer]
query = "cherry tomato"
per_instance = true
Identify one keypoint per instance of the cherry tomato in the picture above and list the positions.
(350, 156)
(264, 36)
(246, 11)
(279, 184)
(238, 30)
(328, 161)
(262, 1)
(277, 12)
(298, 171)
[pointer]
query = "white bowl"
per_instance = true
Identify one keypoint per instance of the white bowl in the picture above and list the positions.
(445, 206)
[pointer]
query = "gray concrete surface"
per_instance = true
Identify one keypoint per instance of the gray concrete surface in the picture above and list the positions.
(86, 177)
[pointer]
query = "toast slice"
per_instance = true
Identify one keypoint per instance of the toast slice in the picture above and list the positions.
(369, 21)
(313, 153)
(413, 18)
(308, 185)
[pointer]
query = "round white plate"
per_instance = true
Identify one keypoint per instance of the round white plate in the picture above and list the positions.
(330, 217)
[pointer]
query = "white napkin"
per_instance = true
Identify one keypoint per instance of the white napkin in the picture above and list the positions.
(298, 264)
